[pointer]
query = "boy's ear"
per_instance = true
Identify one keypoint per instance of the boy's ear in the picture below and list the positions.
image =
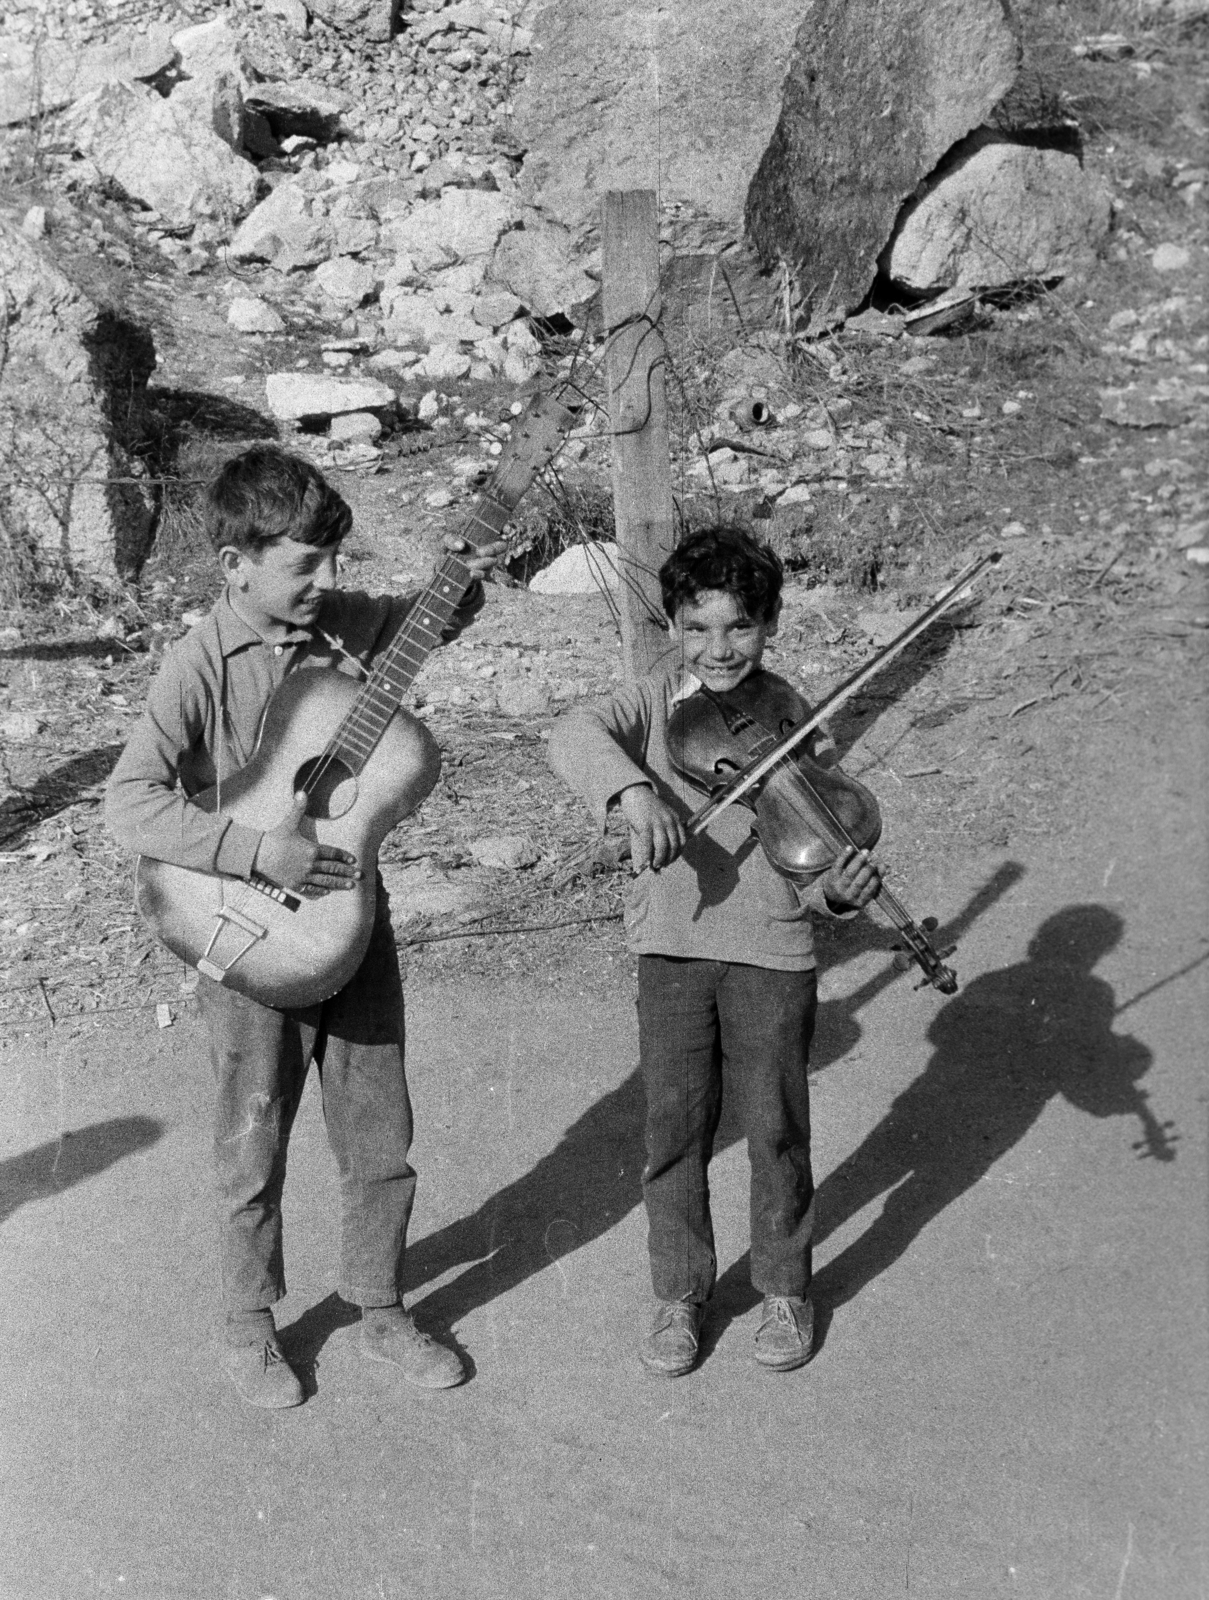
(774, 621)
(234, 563)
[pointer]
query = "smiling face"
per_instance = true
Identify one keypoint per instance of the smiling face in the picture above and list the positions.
(720, 644)
(281, 586)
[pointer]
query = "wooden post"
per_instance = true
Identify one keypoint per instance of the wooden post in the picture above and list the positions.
(642, 476)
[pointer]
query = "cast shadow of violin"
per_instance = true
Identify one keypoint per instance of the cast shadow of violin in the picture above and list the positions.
(1004, 1047)
(591, 1179)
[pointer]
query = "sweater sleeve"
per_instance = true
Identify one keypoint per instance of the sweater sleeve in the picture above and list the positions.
(599, 751)
(146, 809)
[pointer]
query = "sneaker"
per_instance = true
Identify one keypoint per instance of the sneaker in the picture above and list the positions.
(421, 1360)
(263, 1376)
(670, 1349)
(784, 1339)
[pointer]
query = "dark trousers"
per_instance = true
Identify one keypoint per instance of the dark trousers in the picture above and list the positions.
(692, 1017)
(260, 1058)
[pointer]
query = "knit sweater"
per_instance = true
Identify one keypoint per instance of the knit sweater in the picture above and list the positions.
(720, 900)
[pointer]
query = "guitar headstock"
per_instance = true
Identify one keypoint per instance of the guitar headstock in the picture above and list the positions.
(537, 436)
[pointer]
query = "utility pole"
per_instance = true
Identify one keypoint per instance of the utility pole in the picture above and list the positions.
(634, 370)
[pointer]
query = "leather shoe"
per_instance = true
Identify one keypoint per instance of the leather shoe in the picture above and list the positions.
(785, 1337)
(670, 1349)
(421, 1360)
(263, 1376)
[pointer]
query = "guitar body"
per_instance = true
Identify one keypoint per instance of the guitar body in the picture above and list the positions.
(283, 949)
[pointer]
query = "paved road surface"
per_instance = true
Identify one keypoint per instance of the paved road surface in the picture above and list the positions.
(1010, 1397)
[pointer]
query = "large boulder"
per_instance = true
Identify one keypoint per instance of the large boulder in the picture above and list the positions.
(679, 99)
(166, 153)
(877, 92)
(73, 374)
(46, 76)
(999, 213)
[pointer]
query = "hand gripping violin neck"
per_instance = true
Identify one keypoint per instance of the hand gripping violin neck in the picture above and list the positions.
(807, 815)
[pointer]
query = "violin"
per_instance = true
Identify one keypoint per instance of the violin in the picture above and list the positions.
(807, 815)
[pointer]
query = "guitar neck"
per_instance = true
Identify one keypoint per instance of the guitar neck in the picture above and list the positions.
(536, 438)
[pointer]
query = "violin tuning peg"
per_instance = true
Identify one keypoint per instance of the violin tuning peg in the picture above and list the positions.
(929, 924)
(947, 952)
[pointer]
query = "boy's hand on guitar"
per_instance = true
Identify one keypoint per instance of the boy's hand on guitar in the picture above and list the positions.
(479, 558)
(854, 880)
(656, 833)
(288, 858)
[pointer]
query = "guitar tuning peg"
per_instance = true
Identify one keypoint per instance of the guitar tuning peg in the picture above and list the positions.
(929, 924)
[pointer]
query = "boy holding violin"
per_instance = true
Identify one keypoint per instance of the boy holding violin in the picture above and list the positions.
(726, 967)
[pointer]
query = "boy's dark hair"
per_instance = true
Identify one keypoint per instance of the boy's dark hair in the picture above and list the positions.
(726, 558)
(266, 494)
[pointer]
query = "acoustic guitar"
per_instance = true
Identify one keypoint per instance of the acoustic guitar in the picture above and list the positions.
(364, 764)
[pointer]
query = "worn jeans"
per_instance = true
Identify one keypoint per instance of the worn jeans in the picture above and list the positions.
(692, 1017)
(260, 1058)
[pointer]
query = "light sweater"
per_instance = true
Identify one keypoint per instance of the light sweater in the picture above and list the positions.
(720, 900)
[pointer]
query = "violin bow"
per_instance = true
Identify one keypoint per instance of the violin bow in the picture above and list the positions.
(747, 779)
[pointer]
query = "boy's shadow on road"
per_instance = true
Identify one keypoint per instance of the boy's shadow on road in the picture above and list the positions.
(1004, 1047)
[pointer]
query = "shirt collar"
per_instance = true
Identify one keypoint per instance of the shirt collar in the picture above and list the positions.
(234, 634)
(689, 686)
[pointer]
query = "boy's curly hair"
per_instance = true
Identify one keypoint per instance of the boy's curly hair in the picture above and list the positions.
(266, 494)
(727, 558)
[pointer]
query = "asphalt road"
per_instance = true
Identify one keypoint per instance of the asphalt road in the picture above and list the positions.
(1010, 1397)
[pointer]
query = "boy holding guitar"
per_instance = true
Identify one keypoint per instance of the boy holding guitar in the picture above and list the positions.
(725, 959)
(277, 527)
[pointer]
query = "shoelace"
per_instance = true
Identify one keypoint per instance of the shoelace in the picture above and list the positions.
(272, 1355)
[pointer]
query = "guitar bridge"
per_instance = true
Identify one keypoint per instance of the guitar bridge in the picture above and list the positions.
(228, 917)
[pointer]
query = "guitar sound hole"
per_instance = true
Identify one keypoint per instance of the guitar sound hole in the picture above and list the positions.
(330, 785)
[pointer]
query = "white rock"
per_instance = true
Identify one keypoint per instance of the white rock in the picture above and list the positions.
(355, 425)
(210, 47)
(19, 727)
(1006, 213)
(42, 77)
(429, 407)
(254, 316)
(292, 395)
(519, 368)
(583, 569)
(393, 360)
(413, 317)
(346, 281)
(797, 494)
(168, 160)
(1198, 554)
(439, 499)
(507, 852)
(33, 223)
(463, 223)
(537, 265)
(1170, 258)
(522, 697)
(444, 361)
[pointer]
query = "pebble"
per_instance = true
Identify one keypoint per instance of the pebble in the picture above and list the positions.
(254, 316)
(1198, 554)
(1013, 530)
(1171, 258)
(508, 852)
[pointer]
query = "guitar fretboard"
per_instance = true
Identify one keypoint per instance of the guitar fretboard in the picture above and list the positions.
(535, 441)
(396, 669)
